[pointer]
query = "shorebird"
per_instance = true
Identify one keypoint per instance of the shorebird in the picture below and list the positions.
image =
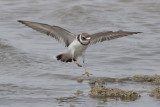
(76, 44)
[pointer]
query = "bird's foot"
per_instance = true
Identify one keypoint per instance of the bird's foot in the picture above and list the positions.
(87, 73)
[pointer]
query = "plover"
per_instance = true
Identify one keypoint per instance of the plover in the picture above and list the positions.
(76, 44)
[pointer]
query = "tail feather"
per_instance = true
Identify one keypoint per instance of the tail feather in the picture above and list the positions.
(65, 57)
(59, 57)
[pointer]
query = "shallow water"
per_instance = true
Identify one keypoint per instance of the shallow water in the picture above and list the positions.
(30, 76)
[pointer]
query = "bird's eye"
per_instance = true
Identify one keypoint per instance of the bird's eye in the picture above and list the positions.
(83, 38)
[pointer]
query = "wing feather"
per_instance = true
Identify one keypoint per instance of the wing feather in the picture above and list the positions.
(56, 32)
(109, 35)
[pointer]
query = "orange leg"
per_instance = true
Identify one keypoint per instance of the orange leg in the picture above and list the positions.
(85, 73)
(79, 65)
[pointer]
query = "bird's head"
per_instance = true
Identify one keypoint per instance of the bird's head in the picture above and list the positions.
(84, 38)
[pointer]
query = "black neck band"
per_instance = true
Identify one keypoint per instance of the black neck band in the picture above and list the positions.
(80, 41)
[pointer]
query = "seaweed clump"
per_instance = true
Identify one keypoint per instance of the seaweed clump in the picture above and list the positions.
(155, 92)
(155, 79)
(78, 92)
(101, 91)
(79, 80)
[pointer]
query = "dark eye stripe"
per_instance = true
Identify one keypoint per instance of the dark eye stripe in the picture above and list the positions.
(83, 38)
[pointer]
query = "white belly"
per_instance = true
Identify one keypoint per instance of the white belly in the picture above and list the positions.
(76, 48)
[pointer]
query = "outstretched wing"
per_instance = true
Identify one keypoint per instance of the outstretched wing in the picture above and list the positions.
(56, 32)
(109, 35)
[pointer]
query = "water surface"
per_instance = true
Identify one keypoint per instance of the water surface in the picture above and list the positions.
(30, 75)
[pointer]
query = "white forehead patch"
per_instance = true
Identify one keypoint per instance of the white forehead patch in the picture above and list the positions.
(88, 38)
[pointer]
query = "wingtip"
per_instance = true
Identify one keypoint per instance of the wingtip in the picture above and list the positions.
(136, 32)
(20, 21)
(139, 32)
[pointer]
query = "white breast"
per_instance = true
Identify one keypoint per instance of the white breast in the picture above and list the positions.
(76, 48)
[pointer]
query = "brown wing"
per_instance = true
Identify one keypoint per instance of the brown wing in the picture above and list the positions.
(109, 35)
(56, 32)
